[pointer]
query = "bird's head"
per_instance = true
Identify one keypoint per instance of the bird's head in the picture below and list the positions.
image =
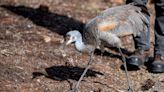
(71, 37)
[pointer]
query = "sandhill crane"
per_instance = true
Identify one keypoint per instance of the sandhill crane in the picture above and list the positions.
(107, 28)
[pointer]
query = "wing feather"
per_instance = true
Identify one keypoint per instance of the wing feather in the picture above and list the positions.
(123, 20)
(119, 21)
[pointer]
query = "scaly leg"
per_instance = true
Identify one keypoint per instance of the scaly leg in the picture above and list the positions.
(83, 74)
(130, 88)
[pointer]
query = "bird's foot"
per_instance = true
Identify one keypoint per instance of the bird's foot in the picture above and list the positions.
(130, 90)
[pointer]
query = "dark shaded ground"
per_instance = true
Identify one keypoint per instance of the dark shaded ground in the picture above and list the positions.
(41, 16)
(65, 73)
(31, 61)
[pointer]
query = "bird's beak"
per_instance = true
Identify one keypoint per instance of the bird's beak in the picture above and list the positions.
(69, 42)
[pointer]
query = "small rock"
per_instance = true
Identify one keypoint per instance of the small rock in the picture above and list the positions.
(47, 39)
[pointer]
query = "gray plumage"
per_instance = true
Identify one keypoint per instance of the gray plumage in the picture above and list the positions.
(110, 25)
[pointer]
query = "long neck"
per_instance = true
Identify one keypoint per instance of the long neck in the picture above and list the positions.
(80, 46)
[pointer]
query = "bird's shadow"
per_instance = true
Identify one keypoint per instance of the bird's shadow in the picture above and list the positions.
(125, 52)
(41, 16)
(61, 73)
(106, 53)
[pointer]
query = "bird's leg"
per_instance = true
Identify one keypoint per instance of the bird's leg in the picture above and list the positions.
(130, 88)
(85, 71)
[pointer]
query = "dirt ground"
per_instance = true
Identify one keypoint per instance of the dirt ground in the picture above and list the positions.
(31, 33)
